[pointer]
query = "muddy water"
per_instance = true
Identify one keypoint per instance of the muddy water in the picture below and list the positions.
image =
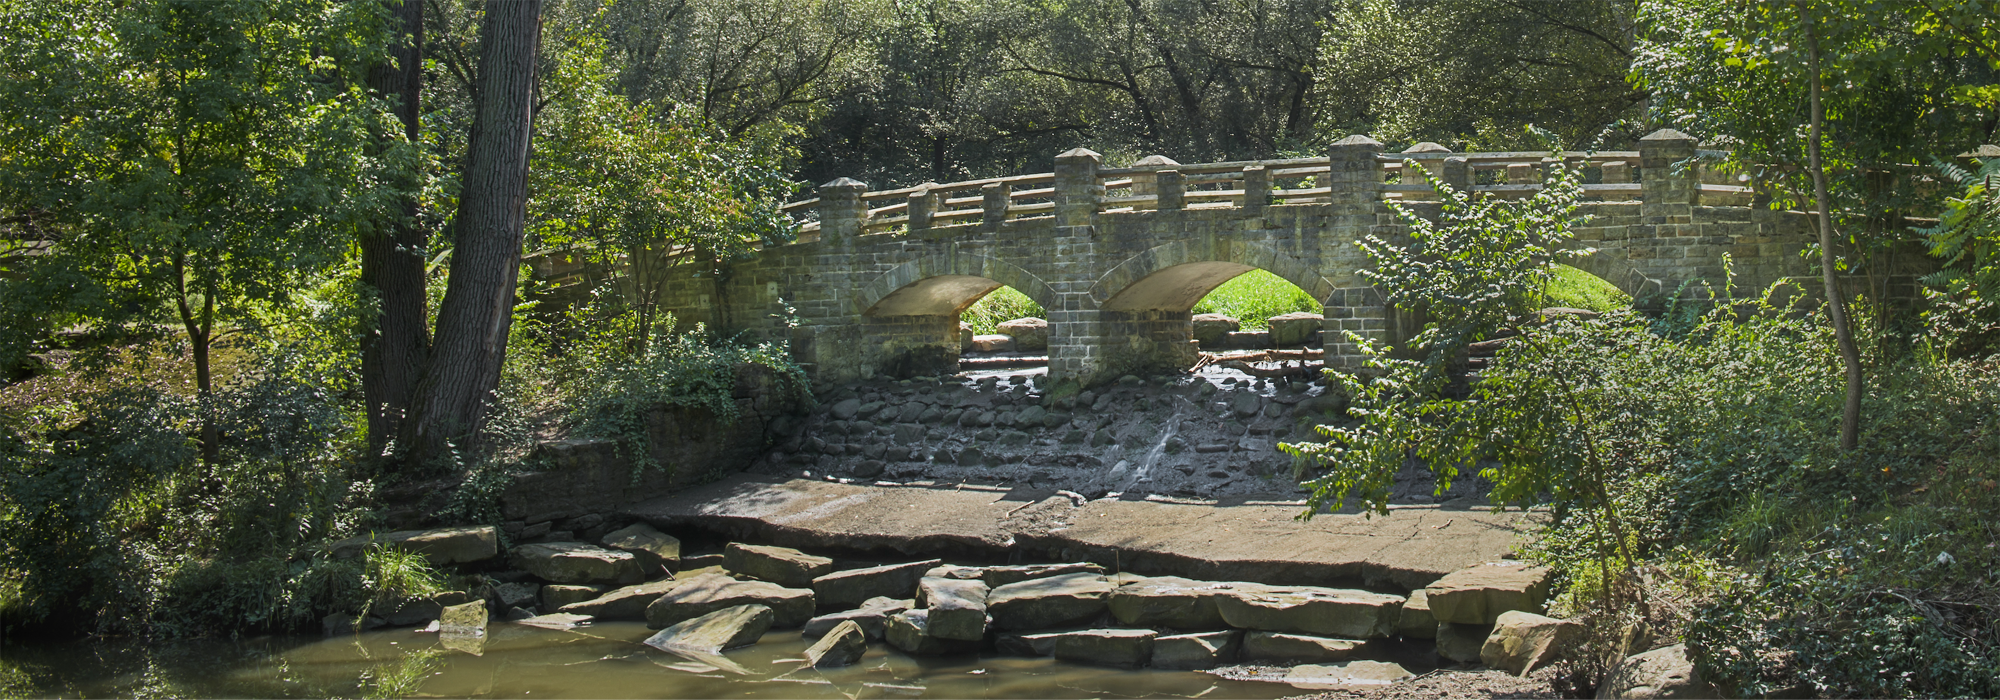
(600, 661)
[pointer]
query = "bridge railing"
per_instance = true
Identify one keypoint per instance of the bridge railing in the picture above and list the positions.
(1081, 186)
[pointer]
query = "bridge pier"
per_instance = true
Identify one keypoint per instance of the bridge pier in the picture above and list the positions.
(1119, 256)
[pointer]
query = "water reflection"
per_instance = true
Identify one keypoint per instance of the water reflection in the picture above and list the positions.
(605, 660)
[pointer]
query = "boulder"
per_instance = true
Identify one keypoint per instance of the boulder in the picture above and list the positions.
(1416, 621)
(1461, 643)
(872, 616)
(1209, 328)
(1297, 648)
(1056, 601)
(555, 596)
(654, 548)
(965, 334)
(1655, 675)
(519, 594)
(1028, 333)
(1524, 641)
(1167, 601)
(576, 562)
(1335, 612)
(451, 545)
(907, 631)
(462, 627)
(1197, 651)
(784, 566)
(1295, 328)
(1106, 647)
(992, 343)
(556, 621)
(416, 611)
(627, 603)
(1478, 594)
(841, 590)
(841, 647)
(957, 608)
(727, 628)
(1038, 644)
(997, 576)
(1345, 675)
(704, 594)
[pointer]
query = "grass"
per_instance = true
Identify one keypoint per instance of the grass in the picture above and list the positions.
(1575, 288)
(997, 307)
(1254, 297)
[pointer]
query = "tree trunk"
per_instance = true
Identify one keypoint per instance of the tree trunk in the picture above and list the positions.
(1850, 356)
(478, 303)
(395, 346)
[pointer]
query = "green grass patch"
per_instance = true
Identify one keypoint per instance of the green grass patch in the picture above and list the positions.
(1575, 288)
(997, 307)
(1254, 297)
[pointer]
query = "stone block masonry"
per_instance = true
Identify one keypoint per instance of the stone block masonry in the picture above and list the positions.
(1119, 256)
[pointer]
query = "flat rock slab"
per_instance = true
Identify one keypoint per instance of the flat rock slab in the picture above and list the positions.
(841, 590)
(653, 547)
(1241, 540)
(1057, 601)
(1197, 651)
(1106, 647)
(1297, 648)
(842, 646)
(555, 596)
(957, 608)
(909, 631)
(1479, 594)
(1336, 612)
(784, 566)
(872, 617)
(1346, 675)
(628, 603)
(1416, 621)
(704, 594)
(576, 562)
(728, 628)
(451, 545)
(1168, 601)
(556, 621)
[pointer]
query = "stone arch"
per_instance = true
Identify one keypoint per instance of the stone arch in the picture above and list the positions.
(945, 284)
(1610, 268)
(1176, 275)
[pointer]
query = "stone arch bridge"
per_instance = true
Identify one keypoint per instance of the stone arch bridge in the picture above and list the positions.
(1119, 256)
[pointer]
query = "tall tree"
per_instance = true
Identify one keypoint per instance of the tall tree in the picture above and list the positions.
(192, 161)
(396, 342)
(478, 304)
(1836, 303)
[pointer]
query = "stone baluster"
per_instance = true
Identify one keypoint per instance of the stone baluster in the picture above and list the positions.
(918, 205)
(1666, 181)
(1146, 182)
(1457, 172)
(1353, 176)
(1256, 188)
(842, 213)
(1077, 187)
(995, 197)
(1522, 174)
(1170, 189)
(1616, 171)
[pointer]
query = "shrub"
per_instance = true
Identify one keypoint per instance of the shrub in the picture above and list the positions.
(1254, 297)
(1000, 306)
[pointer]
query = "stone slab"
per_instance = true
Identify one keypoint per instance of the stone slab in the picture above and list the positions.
(1241, 539)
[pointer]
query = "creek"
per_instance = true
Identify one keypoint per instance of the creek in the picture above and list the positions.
(596, 661)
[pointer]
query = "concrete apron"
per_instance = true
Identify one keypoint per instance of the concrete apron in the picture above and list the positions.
(1233, 540)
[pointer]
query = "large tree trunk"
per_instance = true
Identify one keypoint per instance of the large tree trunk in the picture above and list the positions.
(478, 302)
(1836, 305)
(395, 346)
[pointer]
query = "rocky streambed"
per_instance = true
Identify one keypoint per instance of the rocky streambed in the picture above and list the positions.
(707, 608)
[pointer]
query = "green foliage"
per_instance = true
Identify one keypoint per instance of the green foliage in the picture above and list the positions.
(613, 392)
(1254, 297)
(1483, 266)
(190, 160)
(997, 307)
(1577, 289)
(400, 678)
